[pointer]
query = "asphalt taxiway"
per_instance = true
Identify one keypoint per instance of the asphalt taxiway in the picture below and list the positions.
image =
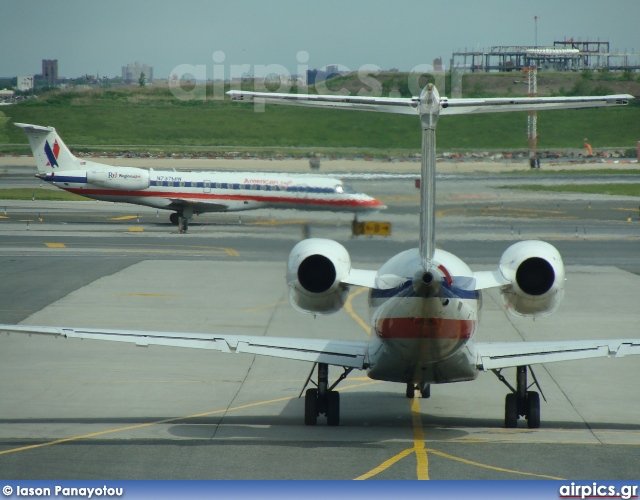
(98, 410)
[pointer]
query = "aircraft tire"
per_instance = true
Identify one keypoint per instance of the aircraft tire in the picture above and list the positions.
(533, 410)
(411, 390)
(311, 407)
(511, 411)
(173, 218)
(426, 392)
(333, 408)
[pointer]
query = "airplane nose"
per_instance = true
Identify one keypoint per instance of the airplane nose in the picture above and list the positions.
(377, 204)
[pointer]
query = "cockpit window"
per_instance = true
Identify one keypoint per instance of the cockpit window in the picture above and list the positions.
(343, 188)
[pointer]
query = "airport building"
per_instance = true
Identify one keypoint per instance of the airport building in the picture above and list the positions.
(24, 83)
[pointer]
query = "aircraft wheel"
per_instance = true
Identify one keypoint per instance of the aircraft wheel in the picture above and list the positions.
(511, 411)
(174, 218)
(311, 407)
(411, 390)
(426, 392)
(533, 410)
(333, 408)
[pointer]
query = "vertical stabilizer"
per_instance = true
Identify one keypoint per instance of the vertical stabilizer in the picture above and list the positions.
(50, 152)
(429, 110)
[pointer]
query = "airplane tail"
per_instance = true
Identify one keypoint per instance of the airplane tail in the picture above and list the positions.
(50, 152)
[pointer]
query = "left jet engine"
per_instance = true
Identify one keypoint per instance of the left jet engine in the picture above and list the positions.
(127, 179)
(315, 271)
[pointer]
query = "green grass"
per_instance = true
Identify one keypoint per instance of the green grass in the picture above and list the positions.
(153, 117)
(534, 172)
(39, 194)
(609, 189)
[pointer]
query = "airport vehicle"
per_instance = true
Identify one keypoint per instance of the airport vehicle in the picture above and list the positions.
(424, 302)
(188, 193)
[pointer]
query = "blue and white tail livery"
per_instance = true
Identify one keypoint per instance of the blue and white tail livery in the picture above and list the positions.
(424, 302)
(188, 193)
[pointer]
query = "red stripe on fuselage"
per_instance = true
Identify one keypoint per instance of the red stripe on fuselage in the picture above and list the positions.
(225, 197)
(425, 328)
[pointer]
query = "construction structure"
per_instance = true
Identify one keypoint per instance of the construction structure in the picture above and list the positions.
(565, 55)
(532, 119)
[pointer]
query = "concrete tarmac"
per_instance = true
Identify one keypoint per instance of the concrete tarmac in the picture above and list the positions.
(99, 410)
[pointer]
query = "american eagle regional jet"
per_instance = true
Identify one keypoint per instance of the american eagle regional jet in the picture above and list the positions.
(188, 193)
(424, 302)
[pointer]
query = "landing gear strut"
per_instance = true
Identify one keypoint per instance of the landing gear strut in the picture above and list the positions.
(521, 401)
(425, 390)
(323, 400)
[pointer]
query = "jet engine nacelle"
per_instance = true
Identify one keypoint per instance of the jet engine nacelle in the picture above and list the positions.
(536, 273)
(127, 179)
(315, 271)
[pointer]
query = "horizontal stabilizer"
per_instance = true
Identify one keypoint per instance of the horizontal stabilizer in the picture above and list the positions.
(410, 106)
(380, 104)
(496, 105)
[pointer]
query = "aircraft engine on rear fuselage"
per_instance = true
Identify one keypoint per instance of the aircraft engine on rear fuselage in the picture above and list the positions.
(315, 271)
(125, 178)
(536, 273)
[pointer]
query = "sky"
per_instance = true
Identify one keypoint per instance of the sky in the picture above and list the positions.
(101, 36)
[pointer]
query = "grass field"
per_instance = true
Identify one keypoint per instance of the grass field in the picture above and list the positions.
(610, 189)
(572, 173)
(39, 194)
(153, 119)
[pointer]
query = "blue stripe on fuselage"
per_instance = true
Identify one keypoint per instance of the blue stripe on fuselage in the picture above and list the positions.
(68, 179)
(446, 292)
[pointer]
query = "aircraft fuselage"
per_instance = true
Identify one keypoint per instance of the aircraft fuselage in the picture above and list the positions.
(423, 339)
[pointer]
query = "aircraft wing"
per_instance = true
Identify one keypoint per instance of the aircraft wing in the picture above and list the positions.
(409, 106)
(352, 354)
(490, 356)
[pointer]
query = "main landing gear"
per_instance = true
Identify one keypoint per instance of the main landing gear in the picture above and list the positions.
(179, 220)
(425, 390)
(323, 400)
(521, 402)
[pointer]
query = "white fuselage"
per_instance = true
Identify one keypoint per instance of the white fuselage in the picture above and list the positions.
(423, 340)
(211, 191)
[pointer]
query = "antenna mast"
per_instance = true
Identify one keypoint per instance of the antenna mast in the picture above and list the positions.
(531, 72)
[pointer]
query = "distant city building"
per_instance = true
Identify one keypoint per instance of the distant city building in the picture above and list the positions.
(131, 72)
(331, 71)
(50, 71)
(24, 83)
